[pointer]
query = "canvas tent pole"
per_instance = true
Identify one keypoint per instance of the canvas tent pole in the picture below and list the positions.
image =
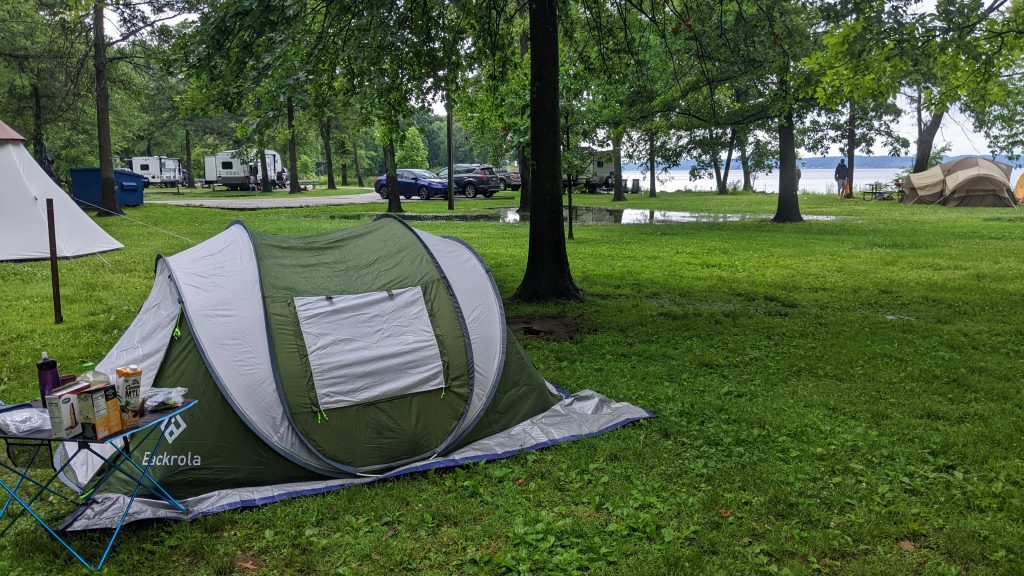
(54, 273)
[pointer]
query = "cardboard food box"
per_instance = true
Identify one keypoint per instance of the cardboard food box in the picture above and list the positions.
(100, 412)
(129, 394)
(62, 404)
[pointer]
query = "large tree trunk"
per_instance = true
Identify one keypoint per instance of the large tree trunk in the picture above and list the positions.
(788, 209)
(391, 175)
(355, 163)
(521, 151)
(547, 274)
(526, 179)
(190, 181)
(265, 184)
(329, 154)
(449, 147)
(748, 183)
(37, 124)
(343, 150)
(851, 146)
(723, 187)
(619, 195)
(293, 154)
(926, 138)
(109, 194)
(651, 165)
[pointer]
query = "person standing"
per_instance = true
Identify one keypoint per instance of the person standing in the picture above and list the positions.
(842, 175)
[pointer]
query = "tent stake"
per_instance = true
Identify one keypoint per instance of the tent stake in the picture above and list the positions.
(54, 274)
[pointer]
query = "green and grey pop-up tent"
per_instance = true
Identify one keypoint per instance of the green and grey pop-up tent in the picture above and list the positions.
(326, 361)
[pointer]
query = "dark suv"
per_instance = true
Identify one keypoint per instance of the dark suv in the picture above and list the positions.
(509, 180)
(473, 179)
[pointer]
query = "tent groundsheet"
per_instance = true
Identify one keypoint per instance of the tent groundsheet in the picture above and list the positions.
(577, 416)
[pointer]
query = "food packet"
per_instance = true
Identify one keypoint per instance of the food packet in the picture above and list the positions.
(24, 420)
(164, 398)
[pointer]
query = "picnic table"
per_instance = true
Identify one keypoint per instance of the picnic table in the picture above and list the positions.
(884, 190)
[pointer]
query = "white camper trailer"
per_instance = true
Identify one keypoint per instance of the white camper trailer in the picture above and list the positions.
(158, 170)
(236, 172)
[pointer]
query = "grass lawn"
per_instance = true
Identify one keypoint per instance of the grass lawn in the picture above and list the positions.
(837, 397)
(206, 193)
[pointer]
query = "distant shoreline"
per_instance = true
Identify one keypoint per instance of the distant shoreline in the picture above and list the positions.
(822, 162)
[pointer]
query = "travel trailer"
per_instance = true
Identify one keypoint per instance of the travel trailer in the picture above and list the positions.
(158, 170)
(237, 172)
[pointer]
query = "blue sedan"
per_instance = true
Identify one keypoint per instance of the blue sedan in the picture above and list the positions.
(414, 182)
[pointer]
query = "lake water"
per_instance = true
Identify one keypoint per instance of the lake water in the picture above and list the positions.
(812, 180)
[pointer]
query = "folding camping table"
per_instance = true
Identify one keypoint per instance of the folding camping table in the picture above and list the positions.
(24, 449)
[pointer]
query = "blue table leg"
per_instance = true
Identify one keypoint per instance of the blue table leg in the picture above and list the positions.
(26, 507)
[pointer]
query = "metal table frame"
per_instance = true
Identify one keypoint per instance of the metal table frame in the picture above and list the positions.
(126, 467)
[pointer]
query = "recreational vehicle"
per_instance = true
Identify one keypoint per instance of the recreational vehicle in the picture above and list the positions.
(238, 172)
(158, 170)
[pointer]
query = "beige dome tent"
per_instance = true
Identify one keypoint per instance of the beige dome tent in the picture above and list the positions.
(972, 181)
(24, 189)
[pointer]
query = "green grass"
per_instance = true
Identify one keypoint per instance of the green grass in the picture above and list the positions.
(832, 398)
(206, 193)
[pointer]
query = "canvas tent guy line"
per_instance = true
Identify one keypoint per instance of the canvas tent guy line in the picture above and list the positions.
(24, 189)
(327, 361)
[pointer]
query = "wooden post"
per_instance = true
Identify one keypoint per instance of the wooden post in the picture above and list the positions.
(54, 274)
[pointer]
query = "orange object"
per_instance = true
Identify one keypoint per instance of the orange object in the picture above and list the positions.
(129, 394)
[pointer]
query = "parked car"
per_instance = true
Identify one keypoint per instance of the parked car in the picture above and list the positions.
(413, 181)
(509, 180)
(473, 179)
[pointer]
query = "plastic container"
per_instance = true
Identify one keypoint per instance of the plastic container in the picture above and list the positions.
(49, 377)
(93, 377)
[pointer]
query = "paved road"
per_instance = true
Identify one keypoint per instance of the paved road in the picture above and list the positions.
(298, 201)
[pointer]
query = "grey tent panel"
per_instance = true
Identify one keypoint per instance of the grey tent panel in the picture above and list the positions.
(368, 347)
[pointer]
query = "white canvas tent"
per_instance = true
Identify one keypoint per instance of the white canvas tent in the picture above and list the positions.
(24, 188)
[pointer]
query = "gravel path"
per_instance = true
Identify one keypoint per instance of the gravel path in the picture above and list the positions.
(298, 201)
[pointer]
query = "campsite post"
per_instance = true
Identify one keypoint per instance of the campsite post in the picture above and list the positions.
(54, 274)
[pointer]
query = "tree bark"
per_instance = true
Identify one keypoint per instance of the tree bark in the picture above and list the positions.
(788, 209)
(355, 163)
(391, 176)
(723, 188)
(108, 192)
(651, 165)
(547, 274)
(525, 178)
(619, 195)
(851, 145)
(37, 124)
(293, 156)
(265, 185)
(450, 149)
(329, 154)
(748, 183)
(190, 181)
(926, 138)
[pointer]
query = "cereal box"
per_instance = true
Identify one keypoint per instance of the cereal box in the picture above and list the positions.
(100, 412)
(62, 404)
(129, 394)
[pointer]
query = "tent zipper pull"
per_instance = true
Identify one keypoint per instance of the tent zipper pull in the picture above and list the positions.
(320, 413)
(177, 324)
(443, 388)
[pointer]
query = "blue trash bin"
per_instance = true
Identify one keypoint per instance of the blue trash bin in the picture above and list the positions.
(85, 187)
